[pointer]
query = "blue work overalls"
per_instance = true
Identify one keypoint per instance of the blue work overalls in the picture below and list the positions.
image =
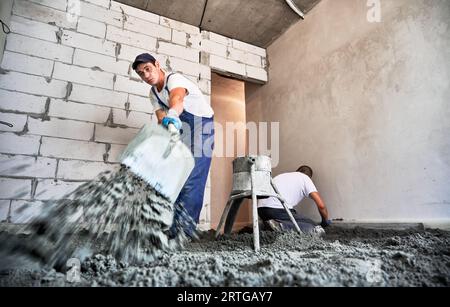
(201, 142)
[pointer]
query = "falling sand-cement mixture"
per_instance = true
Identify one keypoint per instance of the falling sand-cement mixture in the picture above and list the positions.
(343, 257)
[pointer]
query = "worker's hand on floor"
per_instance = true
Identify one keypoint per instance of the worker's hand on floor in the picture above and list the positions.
(172, 118)
(325, 223)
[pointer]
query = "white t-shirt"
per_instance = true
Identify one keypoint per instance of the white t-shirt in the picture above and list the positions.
(293, 187)
(194, 101)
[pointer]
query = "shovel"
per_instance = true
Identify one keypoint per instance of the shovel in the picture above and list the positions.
(158, 156)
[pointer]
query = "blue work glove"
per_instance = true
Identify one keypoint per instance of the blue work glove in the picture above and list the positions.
(172, 118)
(325, 223)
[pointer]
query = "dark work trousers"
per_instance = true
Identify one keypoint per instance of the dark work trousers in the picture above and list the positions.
(280, 215)
(198, 134)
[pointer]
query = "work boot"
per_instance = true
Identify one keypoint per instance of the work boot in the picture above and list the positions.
(273, 225)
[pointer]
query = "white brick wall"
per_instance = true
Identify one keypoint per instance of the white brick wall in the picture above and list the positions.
(205, 72)
(80, 170)
(91, 27)
(89, 43)
(115, 152)
(83, 75)
(213, 48)
(104, 3)
(34, 85)
(220, 39)
(124, 84)
(130, 38)
(14, 144)
(179, 38)
(249, 48)
(61, 128)
(132, 119)
(180, 26)
(105, 63)
(245, 57)
(15, 188)
(26, 166)
(39, 48)
(140, 103)
(226, 65)
(50, 189)
(98, 96)
(186, 67)
(78, 111)
(179, 51)
(56, 4)
(256, 73)
(18, 102)
(101, 14)
(71, 149)
(131, 11)
(205, 86)
(33, 28)
(193, 41)
(41, 13)
(74, 100)
(151, 29)
(121, 136)
(129, 53)
(17, 120)
(27, 64)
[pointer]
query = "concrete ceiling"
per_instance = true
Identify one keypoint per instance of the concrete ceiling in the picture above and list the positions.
(258, 22)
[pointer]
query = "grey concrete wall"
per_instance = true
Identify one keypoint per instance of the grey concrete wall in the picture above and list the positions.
(367, 106)
(5, 16)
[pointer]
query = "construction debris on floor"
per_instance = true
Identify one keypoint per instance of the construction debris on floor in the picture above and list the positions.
(343, 257)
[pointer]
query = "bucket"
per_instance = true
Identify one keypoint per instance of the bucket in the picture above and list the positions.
(242, 179)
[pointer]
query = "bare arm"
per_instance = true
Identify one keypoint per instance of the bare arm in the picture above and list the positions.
(176, 99)
(160, 114)
(320, 205)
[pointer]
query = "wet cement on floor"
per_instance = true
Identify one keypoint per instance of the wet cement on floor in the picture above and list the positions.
(343, 257)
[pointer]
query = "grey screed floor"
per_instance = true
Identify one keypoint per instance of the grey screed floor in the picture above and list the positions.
(345, 256)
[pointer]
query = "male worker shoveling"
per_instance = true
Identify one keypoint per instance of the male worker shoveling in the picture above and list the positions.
(293, 187)
(178, 101)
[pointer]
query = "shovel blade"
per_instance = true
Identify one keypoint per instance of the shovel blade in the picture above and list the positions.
(148, 157)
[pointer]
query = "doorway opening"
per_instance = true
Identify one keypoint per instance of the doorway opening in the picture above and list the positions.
(228, 102)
